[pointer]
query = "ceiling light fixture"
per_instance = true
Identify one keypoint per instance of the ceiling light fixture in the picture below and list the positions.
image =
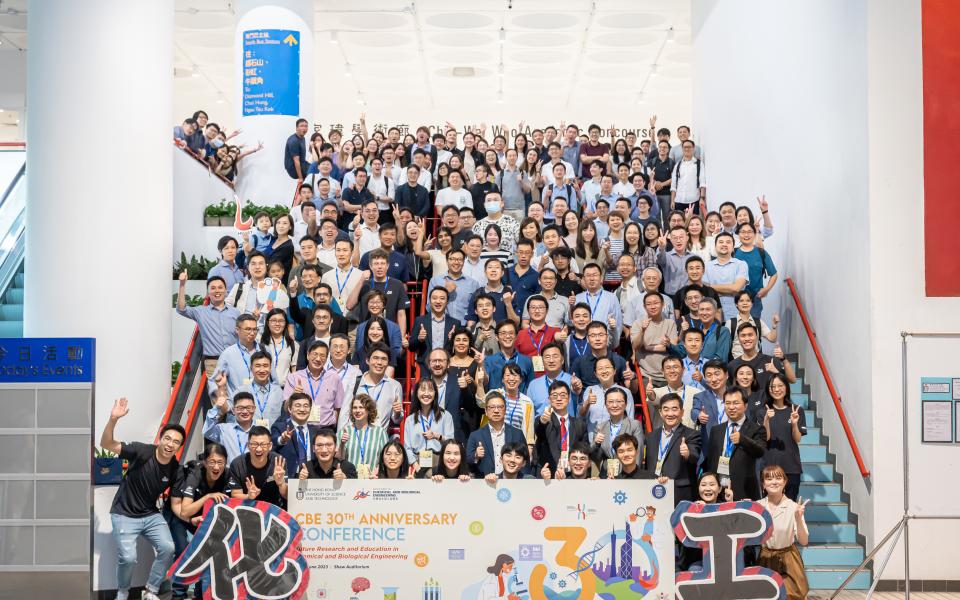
(347, 70)
(500, 70)
(503, 35)
(333, 37)
(500, 97)
(196, 71)
(221, 99)
(670, 35)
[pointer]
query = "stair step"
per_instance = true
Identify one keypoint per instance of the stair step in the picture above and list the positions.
(803, 400)
(820, 492)
(832, 555)
(17, 281)
(817, 472)
(11, 312)
(11, 329)
(14, 296)
(832, 533)
(813, 454)
(813, 435)
(796, 387)
(827, 512)
(830, 578)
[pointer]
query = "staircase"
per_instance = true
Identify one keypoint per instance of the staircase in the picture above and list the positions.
(836, 547)
(11, 307)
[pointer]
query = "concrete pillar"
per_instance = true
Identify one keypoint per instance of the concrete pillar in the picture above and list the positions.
(99, 197)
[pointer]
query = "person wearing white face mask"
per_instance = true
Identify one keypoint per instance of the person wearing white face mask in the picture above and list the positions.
(509, 227)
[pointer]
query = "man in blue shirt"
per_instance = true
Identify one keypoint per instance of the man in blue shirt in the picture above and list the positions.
(604, 306)
(228, 267)
(234, 361)
(524, 280)
(461, 288)
(295, 152)
(216, 320)
(708, 409)
(493, 365)
(396, 263)
(726, 274)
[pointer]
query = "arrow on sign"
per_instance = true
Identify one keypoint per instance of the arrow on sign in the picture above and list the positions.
(290, 40)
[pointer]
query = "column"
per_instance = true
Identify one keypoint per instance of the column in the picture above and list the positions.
(99, 199)
(274, 87)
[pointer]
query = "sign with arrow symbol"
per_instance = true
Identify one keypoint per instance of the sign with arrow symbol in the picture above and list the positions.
(271, 72)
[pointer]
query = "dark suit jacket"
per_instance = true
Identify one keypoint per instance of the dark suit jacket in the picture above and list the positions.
(548, 439)
(743, 461)
(416, 198)
(289, 450)
(422, 348)
(453, 403)
(487, 464)
(682, 472)
(704, 402)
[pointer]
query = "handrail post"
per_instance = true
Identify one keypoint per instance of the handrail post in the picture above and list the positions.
(647, 424)
(812, 336)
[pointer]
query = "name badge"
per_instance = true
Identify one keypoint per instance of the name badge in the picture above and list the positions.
(659, 468)
(426, 459)
(723, 466)
(315, 413)
(261, 423)
(537, 363)
(613, 468)
(564, 460)
(363, 471)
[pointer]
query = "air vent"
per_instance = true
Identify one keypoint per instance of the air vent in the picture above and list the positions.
(464, 72)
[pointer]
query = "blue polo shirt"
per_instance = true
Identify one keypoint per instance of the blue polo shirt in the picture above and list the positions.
(459, 302)
(539, 392)
(493, 365)
(523, 286)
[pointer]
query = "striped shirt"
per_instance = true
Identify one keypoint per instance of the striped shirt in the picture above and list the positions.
(364, 445)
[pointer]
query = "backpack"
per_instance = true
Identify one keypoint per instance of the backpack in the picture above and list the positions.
(676, 171)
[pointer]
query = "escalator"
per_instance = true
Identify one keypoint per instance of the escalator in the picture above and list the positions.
(13, 204)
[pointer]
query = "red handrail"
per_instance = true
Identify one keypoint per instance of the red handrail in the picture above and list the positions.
(812, 336)
(194, 156)
(191, 418)
(13, 144)
(647, 425)
(184, 366)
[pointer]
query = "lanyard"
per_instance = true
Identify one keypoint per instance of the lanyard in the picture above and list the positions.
(538, 343)
(243, 446)
(727, 442)
(304, 439)
(441, 393)
(345, 281)
(363, 442)
(615, 432)
(713, 327)
(366, 388)
(276, 353)
(428, 424)
(313, 394)
(246, 359)
(596, 305)
(266, 398)
(664, 445)
(577, 347)
(514, 411)
(373, 284)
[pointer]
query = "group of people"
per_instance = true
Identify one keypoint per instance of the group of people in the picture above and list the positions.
(571, 284)
(207, 141)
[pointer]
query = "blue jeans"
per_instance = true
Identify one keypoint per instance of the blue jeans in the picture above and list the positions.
(180, 535)
(757, 308)
(126, 530)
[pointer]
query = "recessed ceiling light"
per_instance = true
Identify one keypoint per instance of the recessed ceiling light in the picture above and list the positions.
(503, 35)
(463, 72)
(347, 71)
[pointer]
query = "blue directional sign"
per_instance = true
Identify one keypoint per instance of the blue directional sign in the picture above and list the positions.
(46, 360)
(271, 72)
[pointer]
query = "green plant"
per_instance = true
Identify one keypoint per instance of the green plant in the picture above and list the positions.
(196, 268)
(189, 300)
(174, 372)
(103, 453)
(211, 211)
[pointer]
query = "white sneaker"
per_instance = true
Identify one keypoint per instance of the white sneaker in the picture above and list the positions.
(148, 595)
(123, 594)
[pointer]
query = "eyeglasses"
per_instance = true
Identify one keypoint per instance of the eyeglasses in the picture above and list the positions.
(170, 440)
(216, 463)
(259, 444)
(242, 408)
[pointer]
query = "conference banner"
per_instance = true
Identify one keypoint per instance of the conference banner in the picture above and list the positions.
(517, 540)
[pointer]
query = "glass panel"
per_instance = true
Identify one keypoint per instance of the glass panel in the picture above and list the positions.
(17, 452)
(63, 408)
(16, 499)
(63, 500)
(63, 453)
(63, 545)
(16, 545)
(18, 408)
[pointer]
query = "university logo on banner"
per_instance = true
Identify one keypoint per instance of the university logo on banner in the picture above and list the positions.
(721, 531)
(243, 550)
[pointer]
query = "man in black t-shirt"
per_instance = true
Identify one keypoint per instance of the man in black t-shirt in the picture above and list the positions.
(134, 513)
(325, 464)
(763, 365)
(295, 152)
(259, 474)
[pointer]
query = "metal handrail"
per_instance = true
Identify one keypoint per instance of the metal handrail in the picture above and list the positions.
(812, 336)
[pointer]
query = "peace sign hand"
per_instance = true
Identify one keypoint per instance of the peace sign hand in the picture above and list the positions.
(795, 415)
(252, 490)
(762, 201)
(279, 470)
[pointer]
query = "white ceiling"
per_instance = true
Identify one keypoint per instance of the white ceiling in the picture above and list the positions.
(572, 54)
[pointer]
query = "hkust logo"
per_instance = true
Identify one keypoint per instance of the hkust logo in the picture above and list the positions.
(244, 550)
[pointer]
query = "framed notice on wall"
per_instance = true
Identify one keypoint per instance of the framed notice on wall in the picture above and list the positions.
(940, 409)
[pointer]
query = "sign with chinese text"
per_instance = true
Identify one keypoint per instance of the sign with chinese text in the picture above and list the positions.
(46, 360)
(271, 72)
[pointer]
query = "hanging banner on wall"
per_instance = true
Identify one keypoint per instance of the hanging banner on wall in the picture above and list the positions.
(419, 540)
(271, 72)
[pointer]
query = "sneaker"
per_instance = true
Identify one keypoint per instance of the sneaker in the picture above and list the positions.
(148, 595)
(123, 594)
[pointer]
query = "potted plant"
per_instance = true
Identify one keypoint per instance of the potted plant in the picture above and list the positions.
(174, 372)
(211, 216)
(227, 211)
(107, 468)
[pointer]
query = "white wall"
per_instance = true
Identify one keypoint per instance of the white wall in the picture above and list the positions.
(811, 104)
(898, 302)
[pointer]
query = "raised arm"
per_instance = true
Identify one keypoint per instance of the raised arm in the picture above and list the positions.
(107, 441)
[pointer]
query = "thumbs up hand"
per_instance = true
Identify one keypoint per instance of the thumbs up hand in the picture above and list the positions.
(684, 449)
(423, 333)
